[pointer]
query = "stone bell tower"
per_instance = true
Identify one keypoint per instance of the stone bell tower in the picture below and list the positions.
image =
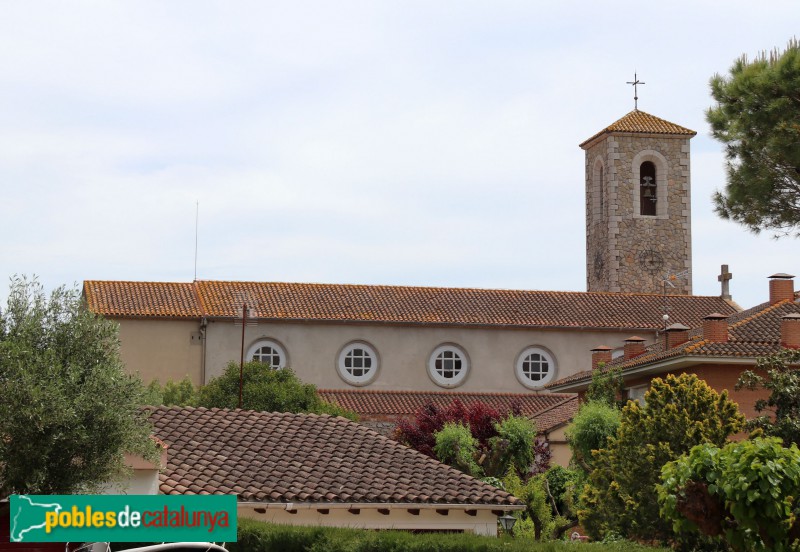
(638, 211)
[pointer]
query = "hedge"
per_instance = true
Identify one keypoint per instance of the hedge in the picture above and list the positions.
(257, 536)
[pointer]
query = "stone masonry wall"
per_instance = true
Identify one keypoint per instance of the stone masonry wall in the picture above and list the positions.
(637, 253)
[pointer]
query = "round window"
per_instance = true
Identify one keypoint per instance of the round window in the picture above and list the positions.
(358, 363)
(448, 366)
(535, 367)
(268, 352)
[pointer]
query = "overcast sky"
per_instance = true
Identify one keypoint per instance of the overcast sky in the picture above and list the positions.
(378, 142)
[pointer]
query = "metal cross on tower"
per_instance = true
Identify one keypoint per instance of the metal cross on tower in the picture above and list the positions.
(636, 82)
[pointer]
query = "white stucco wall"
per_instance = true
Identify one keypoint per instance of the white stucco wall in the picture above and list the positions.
(404, 352)
(484, 522)
(142, 478)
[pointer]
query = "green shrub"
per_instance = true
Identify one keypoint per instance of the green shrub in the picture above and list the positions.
(679, 413)
(746, 493)
(456, 447)
(590, 429)
(257, 536)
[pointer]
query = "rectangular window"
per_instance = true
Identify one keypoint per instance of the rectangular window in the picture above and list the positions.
(637, 393)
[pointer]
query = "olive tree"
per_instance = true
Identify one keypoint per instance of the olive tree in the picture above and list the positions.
(68, 411)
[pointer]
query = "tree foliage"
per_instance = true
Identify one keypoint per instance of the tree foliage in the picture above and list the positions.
(266, 390)
(419, 432)
(757, 117)
(500, 442)
(606, 386)
(781, 411)
(679, 413)
(590, 430)
(456, 447)
(746, 494)
(68, 412)
(181, 393)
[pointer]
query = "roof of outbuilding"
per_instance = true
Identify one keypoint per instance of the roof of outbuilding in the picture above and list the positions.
(639, 122)
(396, 404)
(398, 305)
(281, 457)
(751, 333)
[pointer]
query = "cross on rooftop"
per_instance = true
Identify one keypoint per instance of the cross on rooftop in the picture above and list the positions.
(724, 278)
(636, 82)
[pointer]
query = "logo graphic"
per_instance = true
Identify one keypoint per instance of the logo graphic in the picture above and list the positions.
(122, 518)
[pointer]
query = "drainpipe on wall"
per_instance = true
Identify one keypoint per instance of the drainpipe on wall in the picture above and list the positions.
(203, 328)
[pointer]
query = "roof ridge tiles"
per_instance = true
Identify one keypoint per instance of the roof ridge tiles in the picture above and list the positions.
(199, 298)
(410, 287)
(759, 313)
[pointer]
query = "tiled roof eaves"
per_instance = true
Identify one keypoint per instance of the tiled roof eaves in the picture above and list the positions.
(380, 505)
(173, 317)
(575, 384)
(644, 134)
(417, 324)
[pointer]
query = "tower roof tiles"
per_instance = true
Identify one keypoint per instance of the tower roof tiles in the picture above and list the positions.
(639, 122)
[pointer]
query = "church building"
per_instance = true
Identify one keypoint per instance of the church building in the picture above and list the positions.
(398, 338)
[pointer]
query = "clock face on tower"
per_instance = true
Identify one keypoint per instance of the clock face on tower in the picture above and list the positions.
(651, 260)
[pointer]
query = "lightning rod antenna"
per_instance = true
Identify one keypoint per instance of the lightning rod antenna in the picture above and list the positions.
(196, 222)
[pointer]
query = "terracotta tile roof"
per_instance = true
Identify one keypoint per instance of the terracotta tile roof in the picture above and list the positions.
(367, 402)
(142, 299)
(639, 122)
(751, 334)
(280, 457)
(558, 414)
(402, 305)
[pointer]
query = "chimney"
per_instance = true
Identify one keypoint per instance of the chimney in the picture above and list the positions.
(600, 354)
(781, 286)
(790, 331)
(715, 328)
(675, 334)
(634, 346)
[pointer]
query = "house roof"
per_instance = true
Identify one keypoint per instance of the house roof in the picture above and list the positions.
(397, 305)
(371, 404)
(751, 333)
(639, 122)
(557, 415)
(306, 458)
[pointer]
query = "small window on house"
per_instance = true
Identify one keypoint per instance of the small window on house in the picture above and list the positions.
(268, 352)
(637, 393)
(358, 363)
(448, 366)
(647, 189)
